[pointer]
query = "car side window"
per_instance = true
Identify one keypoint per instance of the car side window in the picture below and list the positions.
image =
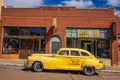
(75, 53)
(64, 52)
(84, 54)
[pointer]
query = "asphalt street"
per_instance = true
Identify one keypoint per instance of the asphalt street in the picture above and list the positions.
(20, 73)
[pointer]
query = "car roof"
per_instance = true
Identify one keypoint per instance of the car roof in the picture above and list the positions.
(72, 49)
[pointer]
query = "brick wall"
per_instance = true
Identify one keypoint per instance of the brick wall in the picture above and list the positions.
(0, 36)
(115, 52)
(116, 26)
(58, 11)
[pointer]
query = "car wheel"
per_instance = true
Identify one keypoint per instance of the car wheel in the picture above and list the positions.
(89, 71)
(37, 67)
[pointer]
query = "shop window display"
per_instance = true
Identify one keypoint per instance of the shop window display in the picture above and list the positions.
(13, 36)
(10, 45)
(96, 41)
(103, 48)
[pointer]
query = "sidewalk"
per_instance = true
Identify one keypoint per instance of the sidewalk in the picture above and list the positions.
(20, 63)
(107, 63)
(12, 62)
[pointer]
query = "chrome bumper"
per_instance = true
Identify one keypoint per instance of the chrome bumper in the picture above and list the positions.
(26, 65)
(103, 68)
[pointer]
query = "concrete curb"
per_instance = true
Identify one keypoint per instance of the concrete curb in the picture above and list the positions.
(114, 71)
(9, 64)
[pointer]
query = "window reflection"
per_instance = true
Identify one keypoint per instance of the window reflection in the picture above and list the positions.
(103, 48)
(24, 31)
(65, 53)
(13, 35)
(10, 45)
(75, 53)
(39, 46)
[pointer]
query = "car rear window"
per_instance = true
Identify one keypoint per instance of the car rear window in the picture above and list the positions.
(84, 54)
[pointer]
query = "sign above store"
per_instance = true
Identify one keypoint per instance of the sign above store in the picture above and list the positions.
(56, 8)
(88, 33)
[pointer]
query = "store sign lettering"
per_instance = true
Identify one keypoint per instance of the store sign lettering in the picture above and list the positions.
(55, 8)
(88, 33)
(102, 45)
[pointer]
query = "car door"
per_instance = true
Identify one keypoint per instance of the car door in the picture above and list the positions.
(75, 63)
(84, 57)
(61, 60)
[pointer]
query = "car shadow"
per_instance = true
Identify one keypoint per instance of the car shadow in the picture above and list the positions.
(26, 69)
(60, 71)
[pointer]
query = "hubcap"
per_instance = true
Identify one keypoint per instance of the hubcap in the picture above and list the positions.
(37, 66)
(89, 70)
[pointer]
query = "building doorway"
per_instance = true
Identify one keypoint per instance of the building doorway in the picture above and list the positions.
(88, 46)
(25, 48)
(55, 44)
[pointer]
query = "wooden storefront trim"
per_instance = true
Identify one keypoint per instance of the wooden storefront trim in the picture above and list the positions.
(9, 56)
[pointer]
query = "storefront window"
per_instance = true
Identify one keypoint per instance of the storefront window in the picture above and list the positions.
(39, 46)
(71, 32)
(96, 41)
(105, 33)
(13, 31)
(73, 43)
(99, 48)
(13, 38)
(103, 48)
(10, 45)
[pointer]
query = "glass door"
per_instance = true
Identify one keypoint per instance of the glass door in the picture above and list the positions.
(88, 46)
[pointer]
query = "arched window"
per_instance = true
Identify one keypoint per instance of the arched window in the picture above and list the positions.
(55, 44)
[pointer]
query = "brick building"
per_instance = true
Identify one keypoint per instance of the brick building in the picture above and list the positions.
(25, 31)
(1, 4)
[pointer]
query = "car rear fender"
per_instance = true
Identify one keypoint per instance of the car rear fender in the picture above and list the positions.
(90, 63)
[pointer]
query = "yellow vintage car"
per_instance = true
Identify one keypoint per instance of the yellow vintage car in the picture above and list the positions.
(65, 59)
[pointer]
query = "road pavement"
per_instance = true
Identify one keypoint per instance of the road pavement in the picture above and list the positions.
(20, 73)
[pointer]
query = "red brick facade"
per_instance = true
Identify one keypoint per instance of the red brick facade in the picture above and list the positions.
(116, 20)
(66, 17)
(0, 35)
